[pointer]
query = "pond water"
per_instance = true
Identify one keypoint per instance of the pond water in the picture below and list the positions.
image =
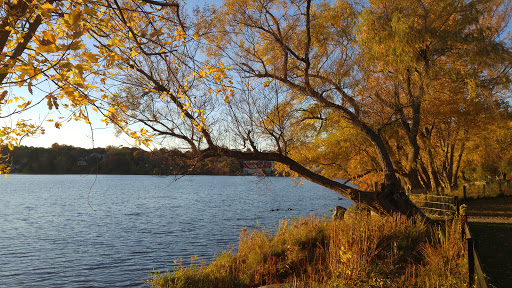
(113, 230)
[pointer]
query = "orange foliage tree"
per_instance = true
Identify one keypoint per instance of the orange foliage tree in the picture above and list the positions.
(375, 92)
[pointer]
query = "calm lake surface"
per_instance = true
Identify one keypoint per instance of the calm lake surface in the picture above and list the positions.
(51, 237)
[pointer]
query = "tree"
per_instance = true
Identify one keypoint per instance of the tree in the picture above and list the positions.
(40, 42)
(297, 70)
(490, 153)
(180, 91)
(324, 89)
(44, 58)
(383, 68)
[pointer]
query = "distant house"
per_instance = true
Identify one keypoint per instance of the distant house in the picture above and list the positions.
(15, 167)
(81, 162)
(98, 156)
(258, 168)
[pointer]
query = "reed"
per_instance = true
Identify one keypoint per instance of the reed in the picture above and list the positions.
(312, 251)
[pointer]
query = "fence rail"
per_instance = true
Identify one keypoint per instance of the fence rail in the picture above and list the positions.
(445, 207)
(476, 275)
(483, 189)
(435, 206)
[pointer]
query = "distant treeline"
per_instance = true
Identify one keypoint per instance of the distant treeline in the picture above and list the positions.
(63, 159)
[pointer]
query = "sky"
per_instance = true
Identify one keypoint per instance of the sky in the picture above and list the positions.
(72, 133)
(78, 134)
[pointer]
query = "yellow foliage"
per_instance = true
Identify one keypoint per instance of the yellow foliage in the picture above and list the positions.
(376, 62)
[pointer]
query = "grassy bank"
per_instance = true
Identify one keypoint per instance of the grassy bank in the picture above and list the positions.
(483, 189)
(315, 252)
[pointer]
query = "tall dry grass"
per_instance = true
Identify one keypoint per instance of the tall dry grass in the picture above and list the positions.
(314, 252)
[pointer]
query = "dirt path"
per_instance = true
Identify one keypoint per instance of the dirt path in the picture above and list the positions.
(482, 219)
(500, 207)
(494, 246)
(490, 221)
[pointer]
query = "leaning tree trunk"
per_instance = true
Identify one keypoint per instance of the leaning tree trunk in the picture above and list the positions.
(389, 199)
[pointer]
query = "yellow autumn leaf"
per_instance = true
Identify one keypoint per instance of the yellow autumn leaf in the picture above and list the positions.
(24, 105)
(91, 57)
(47, 6)
(49, 38)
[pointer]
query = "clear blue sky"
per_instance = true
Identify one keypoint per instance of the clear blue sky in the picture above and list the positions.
(73, 133)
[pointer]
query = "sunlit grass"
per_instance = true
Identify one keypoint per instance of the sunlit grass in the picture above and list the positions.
(316, 252)
(483, 190)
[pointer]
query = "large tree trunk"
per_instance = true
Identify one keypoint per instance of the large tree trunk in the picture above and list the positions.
(412, 180)
(391, 198)
(455, 178)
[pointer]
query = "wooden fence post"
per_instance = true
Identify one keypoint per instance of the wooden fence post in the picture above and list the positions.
(463, 219)
(471, 261)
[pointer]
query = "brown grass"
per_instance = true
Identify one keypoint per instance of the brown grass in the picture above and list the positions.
(484, 190)
(314, 252)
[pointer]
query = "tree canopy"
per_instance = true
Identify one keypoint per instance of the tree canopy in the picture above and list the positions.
(397, 92)
(64, 159)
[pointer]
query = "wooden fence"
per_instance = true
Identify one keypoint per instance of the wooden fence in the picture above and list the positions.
(446, 207)
(490, 188)
(476, 275)
(436, 206)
